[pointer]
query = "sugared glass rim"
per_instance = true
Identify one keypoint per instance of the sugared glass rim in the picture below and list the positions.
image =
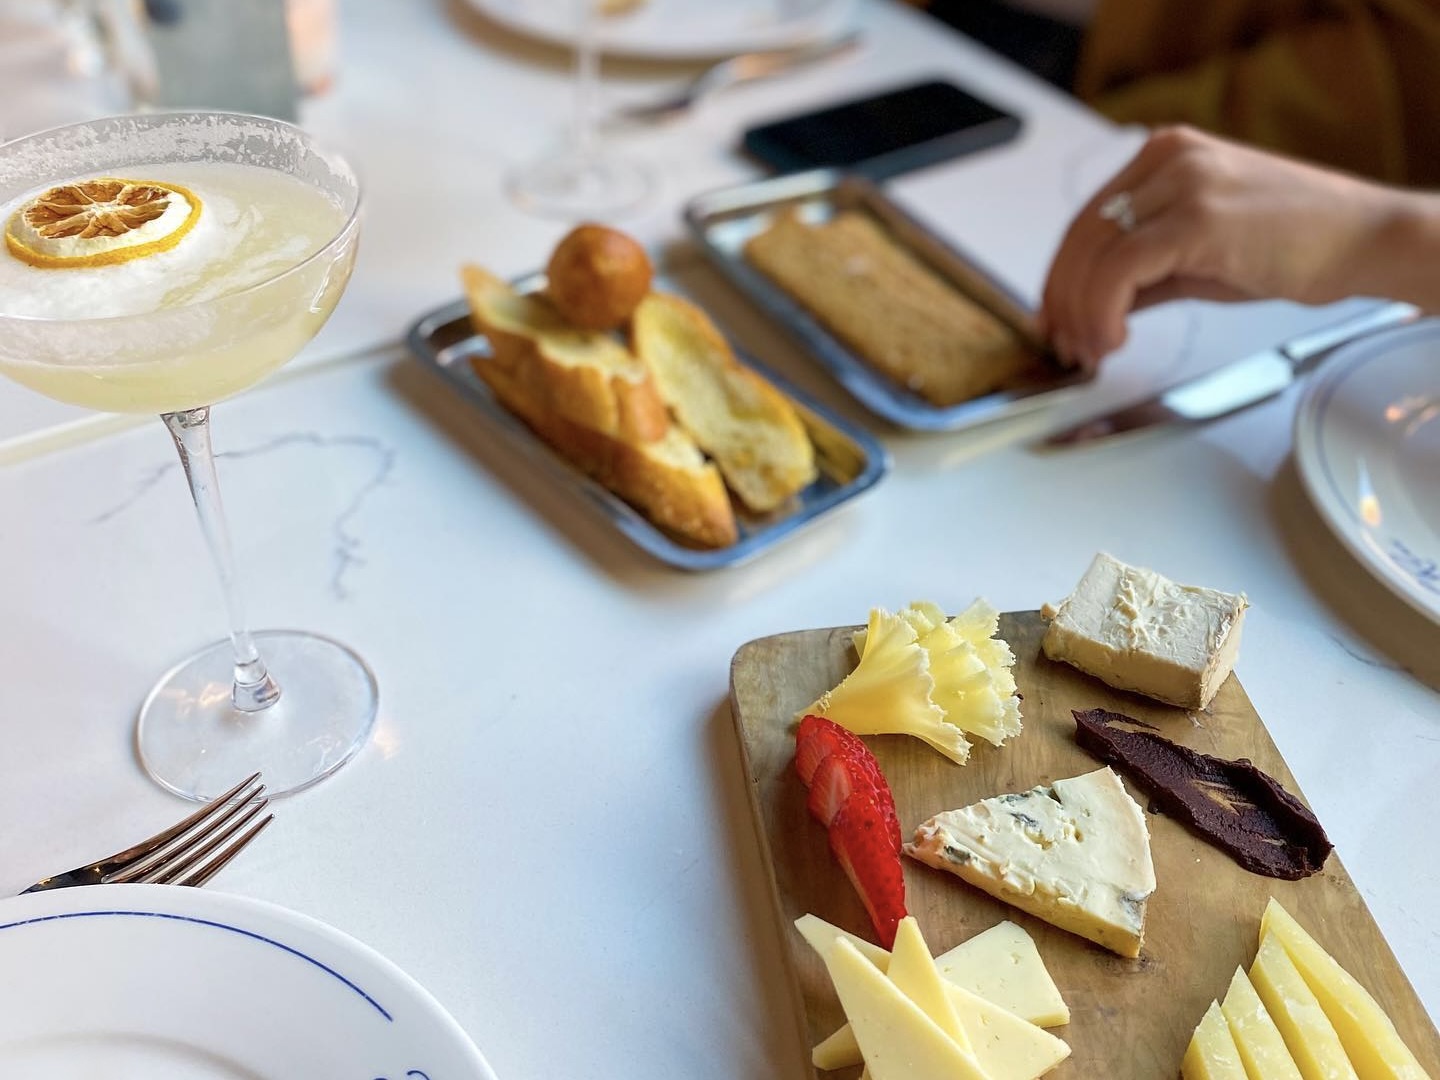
(329, 245)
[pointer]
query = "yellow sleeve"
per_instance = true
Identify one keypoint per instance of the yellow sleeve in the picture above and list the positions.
(1352, 85)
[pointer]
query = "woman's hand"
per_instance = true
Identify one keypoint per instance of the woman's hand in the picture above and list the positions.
(1214, 220)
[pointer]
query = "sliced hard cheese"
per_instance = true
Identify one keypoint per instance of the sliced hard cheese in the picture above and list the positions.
(1000, 965)
(1292, 1005)
(1003, 966)
(898, 1040)
(1005, 1046)
(913, 970)
(1212, 1054)
(838, 1051)
(1370, 1039)
(1076, 854)
(820, 935)
(1261, 1046)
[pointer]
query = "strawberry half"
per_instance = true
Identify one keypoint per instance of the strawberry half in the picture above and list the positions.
(817, 737)
(860, 839)
(835, 780)
(842, 774)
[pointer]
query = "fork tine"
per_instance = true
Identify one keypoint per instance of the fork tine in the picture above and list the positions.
(215, 865)
(183, 842)
(160, 839)
(175, 867)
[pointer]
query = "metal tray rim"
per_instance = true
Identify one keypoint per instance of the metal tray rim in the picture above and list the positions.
(627, 520)
(878, 393)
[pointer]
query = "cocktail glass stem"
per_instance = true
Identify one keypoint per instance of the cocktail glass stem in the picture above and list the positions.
(254, 690)
(587, 78)
(583, 179)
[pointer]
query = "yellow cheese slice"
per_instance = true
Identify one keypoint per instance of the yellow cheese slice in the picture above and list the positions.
(1261, 1046)
(1291, 1004)
(820, 935)
(1007, 1047)
(1212, 1054)
(1370, 1039)
(898, 1040)
(913, 970)
(838, 1051)
(1000, 965)
(1003, 966)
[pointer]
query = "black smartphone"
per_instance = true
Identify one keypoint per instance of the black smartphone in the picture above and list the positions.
(886, 134)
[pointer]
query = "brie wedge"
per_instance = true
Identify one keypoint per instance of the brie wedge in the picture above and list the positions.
(1135, 630)
(1076, 854)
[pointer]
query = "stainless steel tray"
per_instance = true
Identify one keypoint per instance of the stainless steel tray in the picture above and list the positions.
(722, 221)
(849, 459)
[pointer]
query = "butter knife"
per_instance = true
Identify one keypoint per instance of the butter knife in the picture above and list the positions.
(1238, 384)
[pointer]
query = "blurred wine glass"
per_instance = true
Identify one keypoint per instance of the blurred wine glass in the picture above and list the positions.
(583, 178)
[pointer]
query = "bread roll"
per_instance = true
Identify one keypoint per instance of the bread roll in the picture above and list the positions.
(598, 276)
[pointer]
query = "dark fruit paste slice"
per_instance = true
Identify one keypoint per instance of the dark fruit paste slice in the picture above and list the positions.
(1234, 805)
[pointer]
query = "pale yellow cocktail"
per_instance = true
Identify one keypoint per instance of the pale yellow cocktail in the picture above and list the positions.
(252, 224)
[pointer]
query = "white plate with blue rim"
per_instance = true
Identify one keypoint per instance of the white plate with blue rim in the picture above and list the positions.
(160, 982)
(1367, 447)
(681, 29)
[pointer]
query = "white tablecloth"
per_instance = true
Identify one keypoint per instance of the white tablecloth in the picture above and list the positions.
(549, 829)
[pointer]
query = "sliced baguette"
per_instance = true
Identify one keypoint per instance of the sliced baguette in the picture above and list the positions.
(584, 376)
(666, 479)
(749, 428)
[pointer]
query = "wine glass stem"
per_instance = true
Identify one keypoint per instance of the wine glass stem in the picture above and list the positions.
(254, 689)
(587, 76)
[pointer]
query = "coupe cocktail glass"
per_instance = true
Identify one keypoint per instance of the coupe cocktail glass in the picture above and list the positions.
(172, 333)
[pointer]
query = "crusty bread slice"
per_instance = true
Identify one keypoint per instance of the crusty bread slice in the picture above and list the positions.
(584, 376)
(749, 428)
(666, 479)
(893, 310)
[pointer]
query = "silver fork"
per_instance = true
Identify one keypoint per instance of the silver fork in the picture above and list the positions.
(190, 852)
(747, 67)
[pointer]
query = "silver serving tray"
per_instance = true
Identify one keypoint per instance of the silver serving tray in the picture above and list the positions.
(722, 221)
(848, 458)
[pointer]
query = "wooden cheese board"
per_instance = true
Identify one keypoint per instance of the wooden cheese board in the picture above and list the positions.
(1130, 1019)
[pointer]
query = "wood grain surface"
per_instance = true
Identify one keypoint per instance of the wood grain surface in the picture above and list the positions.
(1130, 1019)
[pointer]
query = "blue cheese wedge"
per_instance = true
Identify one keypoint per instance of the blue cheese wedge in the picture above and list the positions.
(1135, 630)
(1076, 854)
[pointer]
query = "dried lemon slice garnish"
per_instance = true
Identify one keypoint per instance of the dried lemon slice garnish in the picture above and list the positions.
(100, 222)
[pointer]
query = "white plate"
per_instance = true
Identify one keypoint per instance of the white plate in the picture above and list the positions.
(682, 29)
(160, 982)
(1367, 445)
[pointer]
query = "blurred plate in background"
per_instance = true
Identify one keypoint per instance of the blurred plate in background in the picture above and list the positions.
(681, 29)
